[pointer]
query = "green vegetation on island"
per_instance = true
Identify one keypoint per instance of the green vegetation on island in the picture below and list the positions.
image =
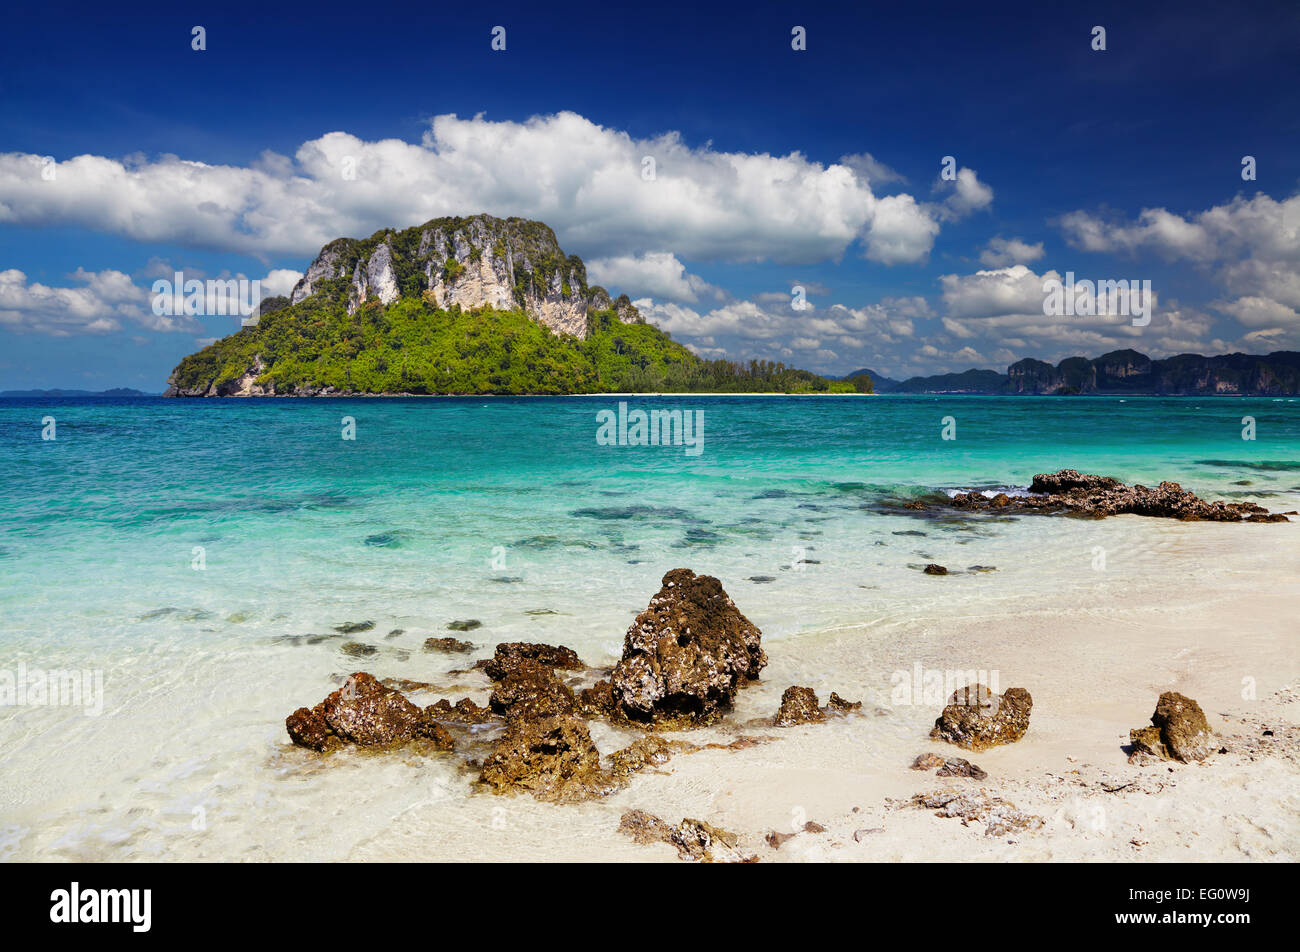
(413, 347)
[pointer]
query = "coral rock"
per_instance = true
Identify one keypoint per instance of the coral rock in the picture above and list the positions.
(687, 654)
(976, 718)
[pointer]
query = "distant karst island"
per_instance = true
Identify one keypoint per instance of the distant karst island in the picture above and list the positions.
(477, 305)
(1121, 373)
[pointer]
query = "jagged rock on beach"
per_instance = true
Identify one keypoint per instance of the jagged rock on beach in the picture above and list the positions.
(1000, 817)
(553, 758)
(531, 690)
(959, 767)
(799, 705)
(597, 700)
(1070, 491)
(935, 569)
(695, 840)
(686, 655)
(366, 713)
(463, 711)
(521, 654)
(1179, 731)
(648, 751)
(977, 719)
(927, 761)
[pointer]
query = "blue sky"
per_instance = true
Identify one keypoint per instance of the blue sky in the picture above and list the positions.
(774, 168)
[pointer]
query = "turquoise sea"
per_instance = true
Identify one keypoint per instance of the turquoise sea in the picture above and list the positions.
(194, 553)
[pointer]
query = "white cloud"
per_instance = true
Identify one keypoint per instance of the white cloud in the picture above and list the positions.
(655, 274)
(97, 306)
(1004, 252)
(101, 302)
(583, 179)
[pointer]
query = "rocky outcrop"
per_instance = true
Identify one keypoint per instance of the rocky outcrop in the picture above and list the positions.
(686, 655)
(553, 758)
(977, 719)
(1069, 491)
(1179, 731)
(481, 261)
(513, 655)
(799, 705)
(366, 713)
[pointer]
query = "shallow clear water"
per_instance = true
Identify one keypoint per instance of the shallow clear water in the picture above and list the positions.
(184, 549)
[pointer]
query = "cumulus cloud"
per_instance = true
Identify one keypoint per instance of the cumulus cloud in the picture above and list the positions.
(96, 306)
(1250, 246)
(584, 179)
(103, 302)
(1003, 252)
(968, 194)
(654, 274)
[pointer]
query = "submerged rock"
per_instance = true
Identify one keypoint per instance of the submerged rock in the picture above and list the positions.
(977, 719)
(935, 569)
(1086, 494)
(468, 625)
(686, 655)
(553, 758)
(366, 713)
(648, 751)
(448, 645)
(1179, 731)
(354, 627)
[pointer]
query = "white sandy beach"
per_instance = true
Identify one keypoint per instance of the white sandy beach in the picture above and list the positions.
(1229, 618)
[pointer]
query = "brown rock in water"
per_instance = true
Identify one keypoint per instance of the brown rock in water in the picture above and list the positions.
(366, 713)
(1183, 727)
(307, 728)
(463, 711)
(933, 569)
(597, 700)
(648, 751)
(553, 758)
(512, 655)
(695, 840)
(448, 645)
(798, 706)
(531, 690)
(927, 761)
(1070, 491)
(977, 719)
(686, 655)
(837, 703)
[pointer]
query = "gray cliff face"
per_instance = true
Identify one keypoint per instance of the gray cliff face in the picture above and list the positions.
(505, 264)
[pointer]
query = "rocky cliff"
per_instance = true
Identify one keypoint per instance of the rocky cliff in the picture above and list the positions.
(504, 264)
